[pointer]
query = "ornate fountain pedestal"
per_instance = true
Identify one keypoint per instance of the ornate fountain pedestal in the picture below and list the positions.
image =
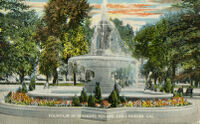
(102, 66)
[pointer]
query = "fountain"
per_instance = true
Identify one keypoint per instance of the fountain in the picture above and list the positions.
(108, 63)
(107, 55)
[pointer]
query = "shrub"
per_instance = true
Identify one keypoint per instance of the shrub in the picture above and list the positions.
(91, 101)
(113, 99)
(123, 99)
(83, 97)
(24, 89)
(177, 94)
(162, 89)
(75, 101)
(7, 99)
(98, 92)
(155, 87)
(32, 84)
(168, 86)
(116, 88)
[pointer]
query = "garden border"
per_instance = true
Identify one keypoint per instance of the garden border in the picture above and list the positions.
(100, 114)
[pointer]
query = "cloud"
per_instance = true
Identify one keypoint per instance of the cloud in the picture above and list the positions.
(121, 6)
(164, 1)
(36, 4)
(124, 11)
(150, 9)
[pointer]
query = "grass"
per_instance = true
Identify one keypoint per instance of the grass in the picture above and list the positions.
(39, 83)
(67, 84)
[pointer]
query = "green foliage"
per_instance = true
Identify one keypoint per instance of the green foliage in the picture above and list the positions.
(168, 86)
(88, 32)
(189, 5)
(172, 43)
(13, 5)
(74, 43)
(18, 50)
(61, 15)
(75, 101)
(49, 58)
(175, 94)
(5, 55)
(161, 89)
(24, 88)
(25, 53)
(155, 86)
(32, 84)
(63, 20)
(116, 89)
(113, 99)
(123, 99)
(126, 33)
(7, 99)
(83, 97)
(91, 101)
(98, 92)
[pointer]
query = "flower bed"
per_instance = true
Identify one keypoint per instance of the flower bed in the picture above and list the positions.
(24, 99)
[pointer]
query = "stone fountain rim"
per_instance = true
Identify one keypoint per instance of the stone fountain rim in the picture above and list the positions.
(108, 57)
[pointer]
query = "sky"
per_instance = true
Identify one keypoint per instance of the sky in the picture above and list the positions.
(134, 12)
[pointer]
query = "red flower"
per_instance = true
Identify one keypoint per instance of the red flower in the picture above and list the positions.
(105, 103)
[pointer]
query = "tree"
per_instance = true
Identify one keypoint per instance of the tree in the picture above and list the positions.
(75, 101)
(23, 57)
(74, 44)
(13, 5)
(10, 6)
(83, 97)
(32, 84)
(5, 56)
(151, 44)
(61, 15)
(174, 42)
(63, 18)
(20, 48)
(98, 92)
(126, 32)
(49, 58)
(113, 99)
(91, 101)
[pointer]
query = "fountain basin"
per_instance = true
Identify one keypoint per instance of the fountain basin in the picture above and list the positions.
(70, 91)
(160, 115)
(102, 66)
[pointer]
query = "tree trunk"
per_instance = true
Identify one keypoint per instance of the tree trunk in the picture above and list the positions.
(47, 82)
(55, 77)
(155, 80)
(173, 72)
(74, 74)
(33, 73)
(21, 76)
(191, 83)
(196, 84)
